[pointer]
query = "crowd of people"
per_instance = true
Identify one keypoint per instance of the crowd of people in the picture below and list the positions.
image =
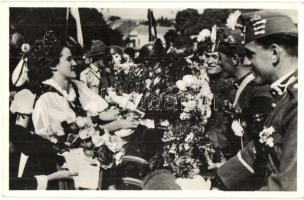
(251, 132)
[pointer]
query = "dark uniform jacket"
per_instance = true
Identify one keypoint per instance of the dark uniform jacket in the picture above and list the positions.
(252, 108)
(219, 123)
(272, 157)
(255, 105)
(30, 145)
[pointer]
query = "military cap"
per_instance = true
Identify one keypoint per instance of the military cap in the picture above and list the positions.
(264, 23)
(230, 41)
(207, 40)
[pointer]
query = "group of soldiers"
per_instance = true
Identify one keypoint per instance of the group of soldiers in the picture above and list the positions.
(261, 57)
(268, 160)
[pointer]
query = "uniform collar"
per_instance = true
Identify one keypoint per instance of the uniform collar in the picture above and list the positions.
(94, 67)
(280, 86)
(239, 82)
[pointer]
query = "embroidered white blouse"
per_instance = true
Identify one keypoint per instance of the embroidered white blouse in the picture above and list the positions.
(53, 108)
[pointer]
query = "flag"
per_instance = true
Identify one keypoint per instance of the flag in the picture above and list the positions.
(74, 25)
(152, 25)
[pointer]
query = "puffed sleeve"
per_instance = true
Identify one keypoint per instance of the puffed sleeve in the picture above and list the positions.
(40, 116)
(23, 102)
(91, 102)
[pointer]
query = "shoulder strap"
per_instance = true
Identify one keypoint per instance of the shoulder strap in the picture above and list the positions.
(44, 88)
(77, 108)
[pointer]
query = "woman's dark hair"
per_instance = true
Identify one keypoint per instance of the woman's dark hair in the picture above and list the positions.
(43, 57)
(288, 42)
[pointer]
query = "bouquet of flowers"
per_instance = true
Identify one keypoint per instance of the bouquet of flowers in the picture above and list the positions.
(196, 97)
(85, 132)
(187, 150)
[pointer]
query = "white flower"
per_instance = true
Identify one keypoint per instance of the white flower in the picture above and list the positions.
(148, 83)
(232, 19)
(25, 48)
(205, 33)
(186, 146)
(266, 136)
(181, 85)
(168, 136)
(156, 80)
(237, 128)
(189, 79)
(184, 116)
(149, 123)
(189, 61)
(165, 123)
(189, 137)
(84, 134)
(100, 140)
(269, 142)
(189, 105)
(158, 70)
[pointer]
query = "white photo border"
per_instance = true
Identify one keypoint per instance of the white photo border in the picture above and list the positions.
(199, 194)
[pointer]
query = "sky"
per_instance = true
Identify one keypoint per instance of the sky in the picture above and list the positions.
(141, 13)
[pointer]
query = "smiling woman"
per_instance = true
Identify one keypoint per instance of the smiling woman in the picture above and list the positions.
(59, 98)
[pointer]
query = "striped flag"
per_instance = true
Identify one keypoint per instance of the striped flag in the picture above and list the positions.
(74, 25)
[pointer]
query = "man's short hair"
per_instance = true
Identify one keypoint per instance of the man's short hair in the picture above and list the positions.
(288, 42)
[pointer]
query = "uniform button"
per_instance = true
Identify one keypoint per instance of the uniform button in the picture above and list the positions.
(273, 105)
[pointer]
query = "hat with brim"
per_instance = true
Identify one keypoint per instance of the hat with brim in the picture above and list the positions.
(98, 48)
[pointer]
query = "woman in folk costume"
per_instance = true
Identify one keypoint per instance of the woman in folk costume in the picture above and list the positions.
(60, 98)
(21, 139)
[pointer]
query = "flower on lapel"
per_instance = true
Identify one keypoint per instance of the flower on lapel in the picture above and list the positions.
(237, 128)
(266, 136)
(25, 48)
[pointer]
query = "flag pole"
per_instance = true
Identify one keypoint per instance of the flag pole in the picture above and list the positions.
(67, 24)
(150, 25)
(154, 26)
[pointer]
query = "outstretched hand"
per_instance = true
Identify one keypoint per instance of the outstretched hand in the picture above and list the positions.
(61, 174)
(126, 124)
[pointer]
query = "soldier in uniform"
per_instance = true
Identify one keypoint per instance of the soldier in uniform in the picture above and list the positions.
(98, 75)
(224, 90)
(252, 103)
(271, 47)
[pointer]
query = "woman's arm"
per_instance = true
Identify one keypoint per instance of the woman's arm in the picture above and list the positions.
(121, 124)
(109, 115)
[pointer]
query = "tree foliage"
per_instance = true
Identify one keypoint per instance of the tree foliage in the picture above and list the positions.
(33, 22)
(185, 20)
(189, 22)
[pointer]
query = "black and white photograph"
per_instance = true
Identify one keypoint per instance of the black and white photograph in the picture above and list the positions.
(114, 98)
